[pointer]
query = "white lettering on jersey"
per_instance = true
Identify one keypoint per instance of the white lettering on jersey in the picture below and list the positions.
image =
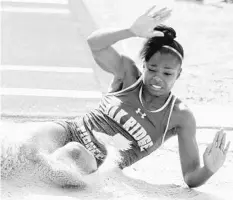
(135, 128)
(146, 146)
(131, 125)
(112, 111)
(141, 133)
(119, 115)
(144, 141)
(86, 138)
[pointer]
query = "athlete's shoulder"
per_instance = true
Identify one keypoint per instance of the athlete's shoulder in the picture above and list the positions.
(132, 73)
(130, 66)
(131, 76)
(183, 114)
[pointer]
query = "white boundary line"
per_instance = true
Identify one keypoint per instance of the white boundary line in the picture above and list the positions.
(34, 10)
(50, 93)
(45, 69)
(38, 1)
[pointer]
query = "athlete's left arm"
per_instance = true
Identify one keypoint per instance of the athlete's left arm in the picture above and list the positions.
(194, 174)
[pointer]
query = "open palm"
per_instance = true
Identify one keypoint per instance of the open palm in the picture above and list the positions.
(145, 24)
(215, 153)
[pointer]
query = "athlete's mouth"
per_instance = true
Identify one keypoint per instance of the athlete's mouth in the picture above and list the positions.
(157, 83)
(157, 87)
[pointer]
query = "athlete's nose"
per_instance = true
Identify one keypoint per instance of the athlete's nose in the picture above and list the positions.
(157, 80)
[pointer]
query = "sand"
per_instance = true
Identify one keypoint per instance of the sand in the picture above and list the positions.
(159, 175)
(156, 177)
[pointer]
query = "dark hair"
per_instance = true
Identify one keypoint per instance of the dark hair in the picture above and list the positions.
(155, 44)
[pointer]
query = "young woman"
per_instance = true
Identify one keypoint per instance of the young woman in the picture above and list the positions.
(137, 115)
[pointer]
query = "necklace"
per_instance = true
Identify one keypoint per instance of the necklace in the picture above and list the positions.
(158, 110)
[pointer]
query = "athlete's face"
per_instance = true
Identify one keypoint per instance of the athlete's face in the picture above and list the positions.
(160, 73)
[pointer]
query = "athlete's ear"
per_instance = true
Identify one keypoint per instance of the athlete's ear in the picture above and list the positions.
(144, 65)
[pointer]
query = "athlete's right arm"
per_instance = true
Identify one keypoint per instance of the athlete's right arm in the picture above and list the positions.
(108, 58)
(105, 55)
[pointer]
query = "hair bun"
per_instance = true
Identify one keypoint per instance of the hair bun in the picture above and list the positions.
(155, 44)
(169, 33)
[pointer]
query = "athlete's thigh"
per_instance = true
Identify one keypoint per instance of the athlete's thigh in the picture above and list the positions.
(47, 136)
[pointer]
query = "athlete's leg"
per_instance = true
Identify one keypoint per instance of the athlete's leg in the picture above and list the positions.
(45, 137)
(76, 154)
(21, 143)
(46, 146)
(68, 165)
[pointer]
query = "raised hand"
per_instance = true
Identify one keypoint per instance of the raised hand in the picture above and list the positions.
(145, 24)
(215, 153)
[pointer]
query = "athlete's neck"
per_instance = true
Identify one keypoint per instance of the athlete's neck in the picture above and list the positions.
(153, 102)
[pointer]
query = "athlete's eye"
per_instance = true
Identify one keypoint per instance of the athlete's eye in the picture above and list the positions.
(167, 74)
(152, 70)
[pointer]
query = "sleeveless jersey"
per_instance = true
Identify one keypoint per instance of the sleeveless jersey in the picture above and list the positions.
(136, 131)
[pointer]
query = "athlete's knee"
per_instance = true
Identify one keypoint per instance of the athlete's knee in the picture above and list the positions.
(78, 154)
(73, 150)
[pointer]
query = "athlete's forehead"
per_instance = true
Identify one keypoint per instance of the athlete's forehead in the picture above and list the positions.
(165, 60)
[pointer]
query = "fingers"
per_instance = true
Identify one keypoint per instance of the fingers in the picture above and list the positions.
(158, 12)
(163, 13)
(215, 140)
(222, 142)
(218, 138)
(208, 149)
(149, 10)
(164, 16)
(157, 34)
(227, 148)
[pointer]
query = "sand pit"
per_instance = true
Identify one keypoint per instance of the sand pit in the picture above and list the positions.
(155, 177)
